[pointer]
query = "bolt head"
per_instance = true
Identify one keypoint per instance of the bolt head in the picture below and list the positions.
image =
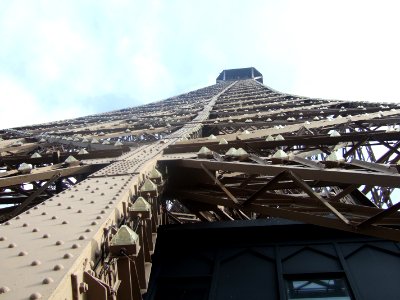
(36, 263)
(58, 267)
(48, 280)
(35, 296)
(83, 287)
(4, 289)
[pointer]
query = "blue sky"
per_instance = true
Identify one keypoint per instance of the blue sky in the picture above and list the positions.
(63, 59)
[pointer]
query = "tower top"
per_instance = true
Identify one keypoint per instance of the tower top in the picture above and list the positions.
(240, 74)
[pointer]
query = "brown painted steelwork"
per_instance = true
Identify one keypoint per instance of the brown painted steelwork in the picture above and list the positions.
(64, 247)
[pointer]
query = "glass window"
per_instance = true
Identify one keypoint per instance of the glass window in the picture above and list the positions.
(317, 289)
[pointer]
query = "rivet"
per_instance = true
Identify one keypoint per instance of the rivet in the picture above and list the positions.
(72, 196)
(69, 207)
(58, 267)
(88, 186)
(12, 245)
(107, 207)
(80, 211)
(57, 195)
(35, 296)
(68, 255)
(35, 230)
(27, 212)
(25, 225)
(18, 217)
(43, 203)
(103, 212)
(97, 189)
(92, 201)
(4, 289)
(46, 236)
(75, 246)
(36, 207)
(36, 263)
(64, 222)
(54, 217)
(81, 199)
(76, 191)
(94, 223)
(116, 195)
(98, 217)
(102, 194)
(88, 230)
(2, 238)
(82, 237)
(58, 243)
(7, 223)
(44, 213)
(114, 198)
(92, 192)
(48, 280)
(22, 253)
(111, 187)
(59, 204)
(111, 202)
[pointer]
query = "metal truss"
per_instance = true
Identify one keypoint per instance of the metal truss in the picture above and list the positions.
(236, 150)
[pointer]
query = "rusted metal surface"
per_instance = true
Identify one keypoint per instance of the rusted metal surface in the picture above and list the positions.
(62, 248)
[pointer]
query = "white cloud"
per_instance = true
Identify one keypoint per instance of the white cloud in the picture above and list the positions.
(94, 56)
(345, 49)
(19, 106)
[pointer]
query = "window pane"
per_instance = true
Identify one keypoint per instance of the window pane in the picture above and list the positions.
(316, 289)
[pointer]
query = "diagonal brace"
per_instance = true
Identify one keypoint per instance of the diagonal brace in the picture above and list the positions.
(32, 197)
(379, 216)
(314, 195)
(262, 190)
(226, 191)
(344, 192)
(219, 183)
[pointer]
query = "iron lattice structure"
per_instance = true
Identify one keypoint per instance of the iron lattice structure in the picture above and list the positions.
(236, 150)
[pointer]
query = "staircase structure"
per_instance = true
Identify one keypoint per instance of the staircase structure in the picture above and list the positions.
(82, 200)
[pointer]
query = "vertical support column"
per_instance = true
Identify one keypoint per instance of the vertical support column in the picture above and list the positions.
(125, 247)
(56, 160)
(125, 291)
(143, 210)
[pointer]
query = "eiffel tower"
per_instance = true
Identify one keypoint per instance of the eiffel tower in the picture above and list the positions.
(232, 191)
